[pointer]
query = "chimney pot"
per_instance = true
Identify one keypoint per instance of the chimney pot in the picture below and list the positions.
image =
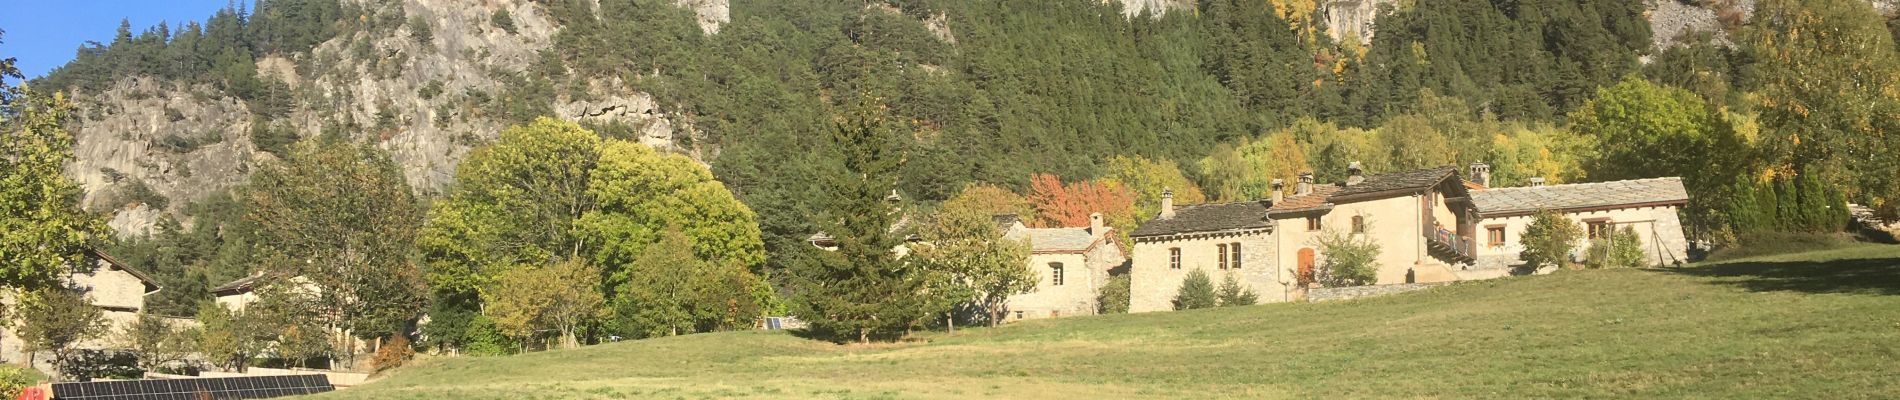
(1537, 181)
(1481, 173)
(1279, 186)
(1167, 203)
(1305, 186)
(1355, 173)
(1095, 224)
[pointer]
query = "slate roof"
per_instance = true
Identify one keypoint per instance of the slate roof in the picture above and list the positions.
(1255, 214)
(136, 273)
(1397, 181)
(1055, 240)
(1208, 218)
(241, 284)
(1501, 201)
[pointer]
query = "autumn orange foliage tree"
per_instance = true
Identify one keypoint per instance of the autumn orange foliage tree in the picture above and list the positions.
(1059, 205)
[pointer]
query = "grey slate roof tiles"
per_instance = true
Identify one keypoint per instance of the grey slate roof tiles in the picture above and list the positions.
(1497, 201)
(1209, 218)
(1059, 239)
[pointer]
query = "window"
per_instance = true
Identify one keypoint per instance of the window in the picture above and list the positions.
(1056, 267)
(1019, 315)
(1495, 235)
(1174, 258)
(1358, 224)
(1223, 255)
(1312, 224)
(1598, 228)
(1233, 255)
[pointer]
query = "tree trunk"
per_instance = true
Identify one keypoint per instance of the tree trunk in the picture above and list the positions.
(864, 336)
(950, 320)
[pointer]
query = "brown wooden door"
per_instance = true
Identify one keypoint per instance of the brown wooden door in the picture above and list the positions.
(1306, 266)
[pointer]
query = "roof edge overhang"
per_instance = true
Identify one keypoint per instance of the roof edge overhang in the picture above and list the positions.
(1607, 207)
(1300, 212)
(1199, 235)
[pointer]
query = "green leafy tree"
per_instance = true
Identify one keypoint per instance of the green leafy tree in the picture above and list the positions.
(1246, 172)
(55, 319)
(43, 232)
(1114, 297)
(1549, 240)
(342, 217)
(1828, 92)
(1623, 249)
(226, 338)
(971, 261)
(158, 342)
(1347, 259)
(1197, 291)
(862, 288)
(1642, 130)
(670, 291)
(559, 298)
(288, 316)
(1231, 294)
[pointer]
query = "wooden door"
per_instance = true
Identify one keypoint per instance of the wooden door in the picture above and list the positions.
(1306, 266)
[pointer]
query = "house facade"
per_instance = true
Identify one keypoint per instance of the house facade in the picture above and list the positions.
(1651, 207)
(117, 289)
(1430, 225)
(1072, 265)
(1421, 220)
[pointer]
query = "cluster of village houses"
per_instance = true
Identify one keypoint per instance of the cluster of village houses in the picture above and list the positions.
(1432, 225)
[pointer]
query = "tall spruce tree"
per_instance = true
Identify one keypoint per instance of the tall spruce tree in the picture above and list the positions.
(862, 288)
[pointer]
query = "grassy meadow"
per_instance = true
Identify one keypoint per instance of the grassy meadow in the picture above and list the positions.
(1810, 325)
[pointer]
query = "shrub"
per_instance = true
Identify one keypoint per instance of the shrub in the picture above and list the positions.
(502, 20)
(85, 364)
(1349, 260)
(1623, 249)
(1114, 296)
(1231, 294)
(393, 353)
(1770, 243)
(14, 378)
(1197, 291)
(1549, 240)
(484, 339)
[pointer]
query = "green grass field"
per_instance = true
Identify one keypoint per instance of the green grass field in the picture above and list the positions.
(1812, 325)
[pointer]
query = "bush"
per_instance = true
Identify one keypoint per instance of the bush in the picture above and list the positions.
(484, 339)
(14, 378)
(86, 364)
(1114, 296)
(1231, 294)
(502, 20)
(1549, 240)
(1623, 249)
(1770, 243)
(393, 353)
(1349, 260)
(1197, 291)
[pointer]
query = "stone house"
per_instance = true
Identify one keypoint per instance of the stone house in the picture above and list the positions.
(1650, 206)
(1431, 226)
(1421, 219)
(1073, 264)
(116, 288)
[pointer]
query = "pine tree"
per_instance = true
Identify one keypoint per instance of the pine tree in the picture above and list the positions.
(1197, 291)
(1231, 294)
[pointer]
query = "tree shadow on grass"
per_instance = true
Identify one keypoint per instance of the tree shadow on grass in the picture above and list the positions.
(1864, 276)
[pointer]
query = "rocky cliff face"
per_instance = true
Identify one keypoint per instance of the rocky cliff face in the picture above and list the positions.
(418, 100)
(1156, 7)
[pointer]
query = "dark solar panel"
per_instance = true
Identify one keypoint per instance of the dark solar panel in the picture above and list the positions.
(253, 387)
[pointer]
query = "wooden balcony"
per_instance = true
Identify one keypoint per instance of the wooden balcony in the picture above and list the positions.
(1449, 246)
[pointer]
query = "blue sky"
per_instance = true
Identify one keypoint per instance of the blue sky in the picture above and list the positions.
(43, 34)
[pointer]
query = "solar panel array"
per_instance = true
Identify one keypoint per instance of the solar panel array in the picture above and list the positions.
(250, 387)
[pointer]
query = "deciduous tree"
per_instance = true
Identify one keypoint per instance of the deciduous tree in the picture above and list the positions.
(55, 319)
(970, 261)
(43, 232)
(1549, 240)
(558, 298)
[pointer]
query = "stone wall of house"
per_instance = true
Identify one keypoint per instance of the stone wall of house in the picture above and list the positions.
(1396, 224)
(1075, 296)
(1153, 283)
(1355, 292)
(1659, 227)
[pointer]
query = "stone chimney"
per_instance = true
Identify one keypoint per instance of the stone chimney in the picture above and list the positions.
(1167, 203)
(1355, 173)
(1279, 185)
(1095, 224)
(1481, 173)
(1537, 181)
(1305, 186)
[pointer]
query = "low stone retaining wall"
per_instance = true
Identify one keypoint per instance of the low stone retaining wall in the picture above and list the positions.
(1354, 292)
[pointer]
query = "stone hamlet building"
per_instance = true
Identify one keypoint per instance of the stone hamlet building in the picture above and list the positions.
(1426, 223)
(117, 289)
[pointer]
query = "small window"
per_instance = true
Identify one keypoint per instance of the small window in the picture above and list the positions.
(1019, 315)
(1312, 224)
(1599, 228)
(1056, 268)
(1495, 235)
(1358, 224)
(1223, 255)
(1233, 255)
(1174, 258)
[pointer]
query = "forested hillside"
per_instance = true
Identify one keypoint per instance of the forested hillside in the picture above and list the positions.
(1028, 106)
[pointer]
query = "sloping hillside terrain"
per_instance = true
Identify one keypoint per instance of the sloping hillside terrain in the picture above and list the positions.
(1810, 325)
